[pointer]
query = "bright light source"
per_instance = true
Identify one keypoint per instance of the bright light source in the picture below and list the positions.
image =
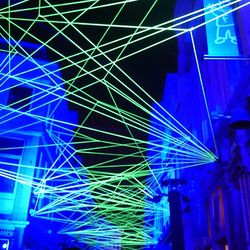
(4, 244)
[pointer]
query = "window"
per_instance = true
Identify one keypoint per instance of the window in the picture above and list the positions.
(218, 209)
(10, 155)
(20, 98)
(8, 170)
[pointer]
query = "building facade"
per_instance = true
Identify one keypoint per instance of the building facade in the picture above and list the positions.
(35, 142)
(209, 95)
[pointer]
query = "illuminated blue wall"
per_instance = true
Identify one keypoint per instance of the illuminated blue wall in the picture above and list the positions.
(27, 127)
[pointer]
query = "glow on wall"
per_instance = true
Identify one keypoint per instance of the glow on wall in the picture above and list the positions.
(220, 28)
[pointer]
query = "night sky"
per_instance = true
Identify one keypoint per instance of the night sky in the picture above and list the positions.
(148, 68)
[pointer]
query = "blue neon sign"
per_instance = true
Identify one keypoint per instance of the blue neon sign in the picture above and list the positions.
(221, 36)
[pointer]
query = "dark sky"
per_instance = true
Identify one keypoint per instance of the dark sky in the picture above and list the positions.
(148, 68)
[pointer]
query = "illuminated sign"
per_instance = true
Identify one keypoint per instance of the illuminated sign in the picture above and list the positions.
(221, 36)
